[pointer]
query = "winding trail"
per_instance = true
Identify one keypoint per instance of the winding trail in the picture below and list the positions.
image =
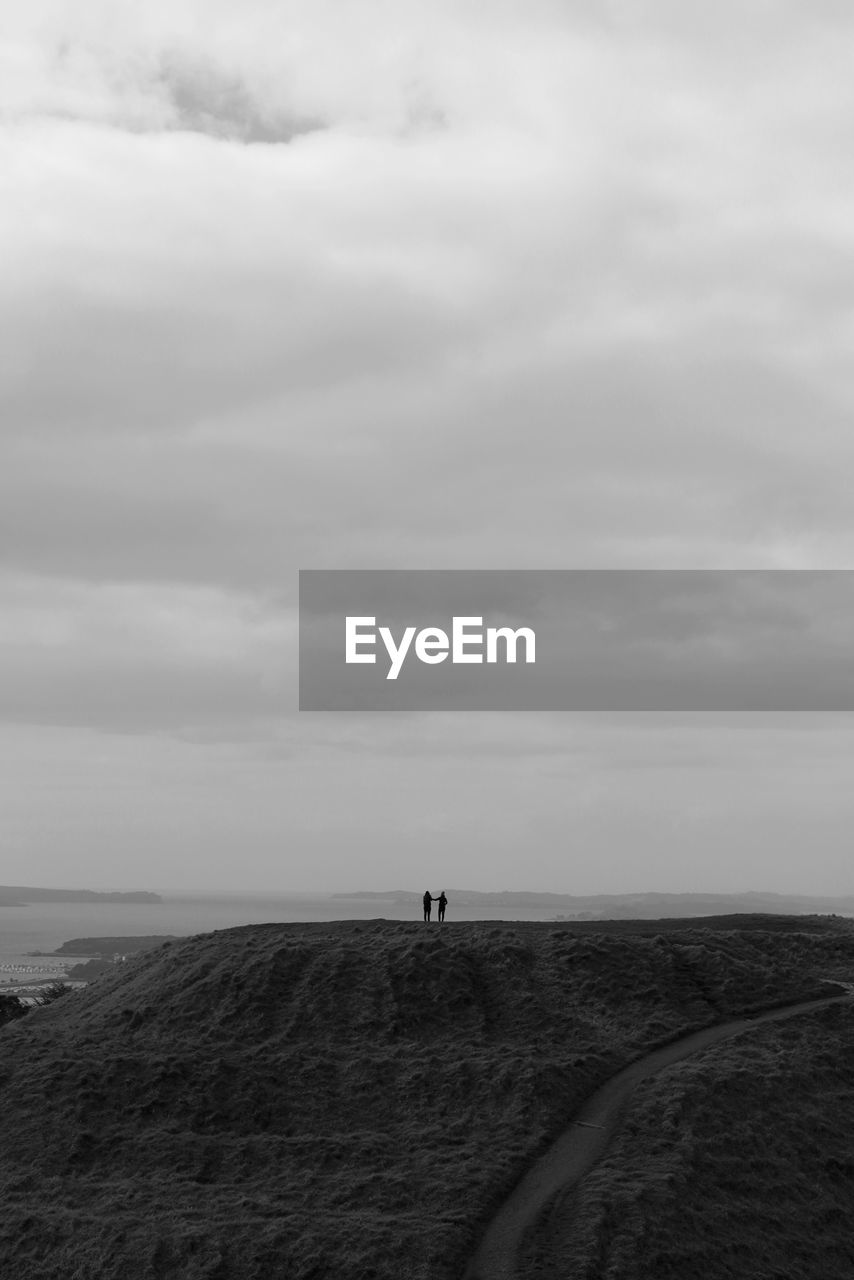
(578, 1149)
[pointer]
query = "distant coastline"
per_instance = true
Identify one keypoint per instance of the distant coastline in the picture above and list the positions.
(22, 895)
(626, 906)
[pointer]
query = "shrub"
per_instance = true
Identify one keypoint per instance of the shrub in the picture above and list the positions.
(54, 991)
(11, 1007)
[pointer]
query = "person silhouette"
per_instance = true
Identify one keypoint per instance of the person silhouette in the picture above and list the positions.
(428, 902)
(443, 902)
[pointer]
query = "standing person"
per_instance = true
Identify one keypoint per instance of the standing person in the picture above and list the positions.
(428, 900)
(443, 902)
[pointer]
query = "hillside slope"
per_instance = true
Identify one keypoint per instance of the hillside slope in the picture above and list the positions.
(347, 1100)
(738, 1163)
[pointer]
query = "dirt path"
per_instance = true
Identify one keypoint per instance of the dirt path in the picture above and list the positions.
(578, 1149)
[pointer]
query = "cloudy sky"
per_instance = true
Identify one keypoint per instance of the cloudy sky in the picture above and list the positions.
(409, 285)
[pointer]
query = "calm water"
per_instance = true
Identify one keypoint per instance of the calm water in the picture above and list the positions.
(45, 926)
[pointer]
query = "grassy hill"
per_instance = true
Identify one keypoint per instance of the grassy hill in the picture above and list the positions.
(352, 1100)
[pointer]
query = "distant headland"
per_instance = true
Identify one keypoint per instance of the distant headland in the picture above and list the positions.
(21, 895)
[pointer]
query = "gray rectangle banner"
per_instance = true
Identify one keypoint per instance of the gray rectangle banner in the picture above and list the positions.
(576, 640)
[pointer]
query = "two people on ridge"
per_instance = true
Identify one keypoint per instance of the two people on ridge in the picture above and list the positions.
(429, 900)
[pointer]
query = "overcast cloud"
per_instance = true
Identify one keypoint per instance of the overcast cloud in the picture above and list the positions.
(408, 285)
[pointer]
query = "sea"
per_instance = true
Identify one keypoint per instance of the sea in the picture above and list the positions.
(44, 926)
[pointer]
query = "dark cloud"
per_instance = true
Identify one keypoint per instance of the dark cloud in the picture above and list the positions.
(205, 100)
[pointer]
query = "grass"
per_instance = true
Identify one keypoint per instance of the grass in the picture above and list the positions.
(348, 1100)
(736, 1163)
